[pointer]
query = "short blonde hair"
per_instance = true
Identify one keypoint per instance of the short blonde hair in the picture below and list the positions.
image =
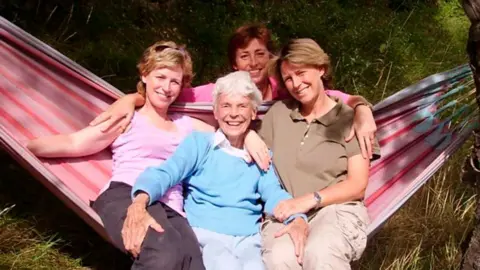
(164, 54)
(237, 83)
(303, 51)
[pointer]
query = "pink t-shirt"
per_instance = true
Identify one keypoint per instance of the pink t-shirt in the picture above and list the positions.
(203, 93)
(145, 145)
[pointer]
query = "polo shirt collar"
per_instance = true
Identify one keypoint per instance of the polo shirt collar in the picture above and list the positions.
(327, 119)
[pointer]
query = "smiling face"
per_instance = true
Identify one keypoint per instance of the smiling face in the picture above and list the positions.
(303, 82)
(253, 58)
(163, 85)
(234, 114)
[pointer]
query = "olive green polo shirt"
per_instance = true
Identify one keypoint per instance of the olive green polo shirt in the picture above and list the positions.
(310, 157)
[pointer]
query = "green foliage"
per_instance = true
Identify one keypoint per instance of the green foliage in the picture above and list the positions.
(377, 47)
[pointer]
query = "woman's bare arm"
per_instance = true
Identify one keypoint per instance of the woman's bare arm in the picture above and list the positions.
(120, 113)
(87, 141)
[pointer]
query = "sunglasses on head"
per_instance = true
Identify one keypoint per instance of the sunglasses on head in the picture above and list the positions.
(160, 48)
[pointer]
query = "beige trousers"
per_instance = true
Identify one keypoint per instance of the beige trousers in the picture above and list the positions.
(337, 237)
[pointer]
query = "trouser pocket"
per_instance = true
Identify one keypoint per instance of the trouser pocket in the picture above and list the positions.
(352, 219)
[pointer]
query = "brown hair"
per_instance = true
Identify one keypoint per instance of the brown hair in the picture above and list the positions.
(243, 35)
(303, 51)
(164, 54)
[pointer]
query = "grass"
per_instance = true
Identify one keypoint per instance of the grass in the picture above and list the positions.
(429, 231)
(377, 48)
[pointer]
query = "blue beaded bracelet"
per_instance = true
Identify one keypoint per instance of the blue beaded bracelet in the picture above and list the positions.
(294, 216)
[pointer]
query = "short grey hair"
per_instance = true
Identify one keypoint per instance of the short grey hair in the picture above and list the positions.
(237, 83)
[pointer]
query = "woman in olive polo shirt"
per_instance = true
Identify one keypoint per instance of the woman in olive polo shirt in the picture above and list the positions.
(326, 175)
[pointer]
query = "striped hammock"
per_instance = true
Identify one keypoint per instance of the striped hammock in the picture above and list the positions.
(44, 93)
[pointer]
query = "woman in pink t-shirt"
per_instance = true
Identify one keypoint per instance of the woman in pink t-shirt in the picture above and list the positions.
(151, 138)
(249, 49)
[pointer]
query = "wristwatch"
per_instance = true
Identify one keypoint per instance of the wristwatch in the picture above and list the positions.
(318, 198)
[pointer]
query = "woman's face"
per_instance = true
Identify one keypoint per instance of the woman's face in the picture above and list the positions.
(234, 114)
(163, 85)
(303, 82)
(253, 58)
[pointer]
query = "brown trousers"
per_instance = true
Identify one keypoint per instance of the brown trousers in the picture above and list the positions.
(337, 237)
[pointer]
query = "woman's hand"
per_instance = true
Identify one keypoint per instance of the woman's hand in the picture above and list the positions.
(364, 128)
(118, 115)
(258, 150)
(298, 231)
(136, 225)
(300, 205)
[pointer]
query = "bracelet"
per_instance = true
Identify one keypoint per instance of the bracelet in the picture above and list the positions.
(293, 217)
(360, 104)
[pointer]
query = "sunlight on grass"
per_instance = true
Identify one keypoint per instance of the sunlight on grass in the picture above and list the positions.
(427, 232)
(21, 247)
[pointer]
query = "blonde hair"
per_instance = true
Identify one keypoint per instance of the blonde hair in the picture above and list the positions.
(303, 51)
(164, 54)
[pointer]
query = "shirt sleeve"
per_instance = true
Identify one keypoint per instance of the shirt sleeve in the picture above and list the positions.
(271, 192)
(353, 148)
(188, 157)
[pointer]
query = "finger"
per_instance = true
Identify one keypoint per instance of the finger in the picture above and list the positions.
(112, 123)
(125, 234)
(296, 244)
(301, 251)
(135, 252)
(127, 238)
(130, 233)
(369, 142)
(363, 147)
(267, 154)
(350, 135)
(99, 119)
(265, 160)
(129, 126)
(140, 233)
(124, 123)
(128, 117)
(260, 160)
(157, 227)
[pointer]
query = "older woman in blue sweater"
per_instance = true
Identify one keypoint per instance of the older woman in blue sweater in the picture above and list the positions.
(223, 190)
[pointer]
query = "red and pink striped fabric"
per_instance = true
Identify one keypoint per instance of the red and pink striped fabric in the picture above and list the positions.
(44, 93)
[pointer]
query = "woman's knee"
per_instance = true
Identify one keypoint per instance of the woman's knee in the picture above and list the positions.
(281, 255)
(326, 259)
(338, 239)
(162, 251)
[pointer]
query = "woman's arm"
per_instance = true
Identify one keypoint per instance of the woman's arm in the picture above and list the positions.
(136, 224)
(84, 142)
(187, 158)
(364, 126)
(199, 125)
(351, 189)
(120, 113)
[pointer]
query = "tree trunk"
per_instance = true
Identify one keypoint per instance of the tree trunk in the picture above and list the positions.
(471, 259)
